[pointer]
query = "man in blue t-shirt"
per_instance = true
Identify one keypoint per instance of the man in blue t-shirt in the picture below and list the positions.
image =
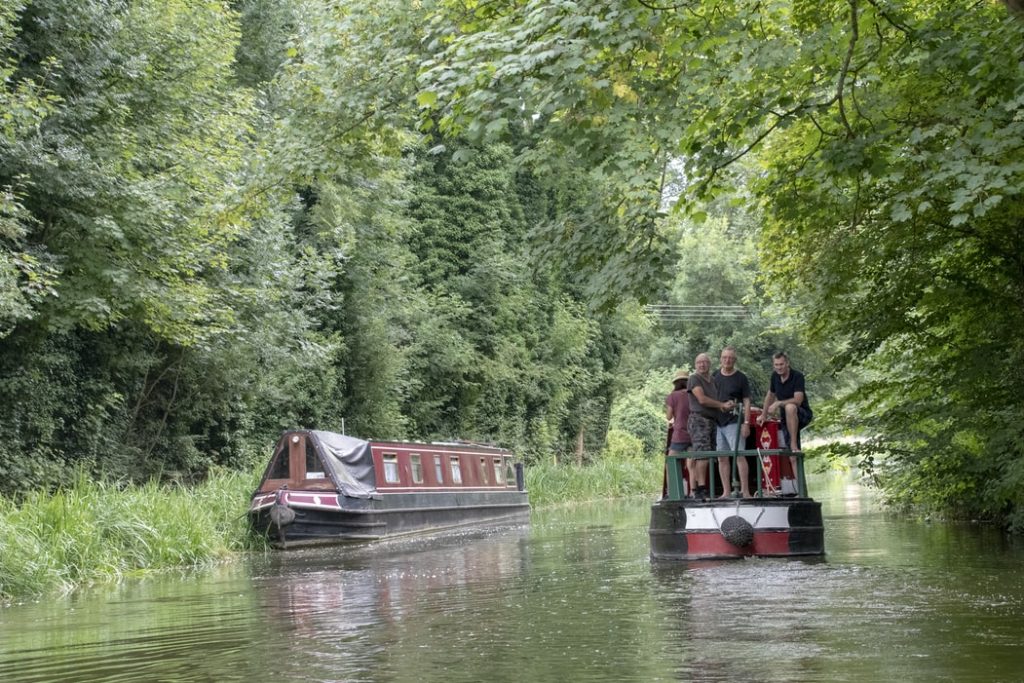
(788, 395)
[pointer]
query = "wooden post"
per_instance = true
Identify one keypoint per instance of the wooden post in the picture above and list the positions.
(579, 447)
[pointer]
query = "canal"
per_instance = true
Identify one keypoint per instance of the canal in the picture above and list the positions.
(570, 597)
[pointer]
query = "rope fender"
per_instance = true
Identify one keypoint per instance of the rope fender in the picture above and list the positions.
(737, 531)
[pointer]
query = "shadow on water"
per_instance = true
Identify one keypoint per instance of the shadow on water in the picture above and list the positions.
(570, 597)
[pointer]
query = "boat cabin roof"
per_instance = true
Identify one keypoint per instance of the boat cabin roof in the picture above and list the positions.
(320, 460)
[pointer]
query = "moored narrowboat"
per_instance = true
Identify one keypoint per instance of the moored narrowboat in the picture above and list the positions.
(780, 520)
(320, 488)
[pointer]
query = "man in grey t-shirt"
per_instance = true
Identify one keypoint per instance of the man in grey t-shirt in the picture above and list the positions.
(704, 410)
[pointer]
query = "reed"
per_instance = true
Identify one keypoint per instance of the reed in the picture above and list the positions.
(607, 478)
(94, 531)
(91, 532)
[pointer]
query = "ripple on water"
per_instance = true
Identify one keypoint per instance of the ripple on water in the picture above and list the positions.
(573, 598)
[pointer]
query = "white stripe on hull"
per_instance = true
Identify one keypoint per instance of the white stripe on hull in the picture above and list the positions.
(760, 517)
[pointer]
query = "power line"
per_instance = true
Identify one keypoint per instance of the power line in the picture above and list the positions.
(675, 312)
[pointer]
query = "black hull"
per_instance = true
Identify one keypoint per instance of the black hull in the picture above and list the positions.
(398, 514)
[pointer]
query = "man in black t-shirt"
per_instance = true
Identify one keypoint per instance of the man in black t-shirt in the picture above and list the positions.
(733, 385)
(787, 394)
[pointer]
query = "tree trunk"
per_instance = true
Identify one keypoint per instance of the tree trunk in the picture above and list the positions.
(579, 446)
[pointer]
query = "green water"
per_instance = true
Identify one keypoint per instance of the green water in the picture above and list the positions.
(570, 597)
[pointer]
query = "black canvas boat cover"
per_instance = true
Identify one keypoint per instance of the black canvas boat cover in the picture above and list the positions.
(350, 462)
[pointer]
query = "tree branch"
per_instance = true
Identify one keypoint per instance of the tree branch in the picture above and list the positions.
(665, 8)
(846, 67)
(902, 28)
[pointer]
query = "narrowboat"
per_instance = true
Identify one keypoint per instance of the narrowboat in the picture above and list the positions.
(320, 488)
(779, 520)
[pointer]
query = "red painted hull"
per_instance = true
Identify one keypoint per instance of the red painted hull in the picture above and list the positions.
(712, 545)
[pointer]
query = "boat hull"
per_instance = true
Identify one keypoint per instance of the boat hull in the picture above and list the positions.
(329, 518)
(693, 530)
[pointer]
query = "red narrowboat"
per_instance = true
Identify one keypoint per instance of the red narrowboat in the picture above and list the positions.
(780, 520)
(321, 488)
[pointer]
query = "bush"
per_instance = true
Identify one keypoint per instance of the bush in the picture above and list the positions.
(620, 445)
(634, 415)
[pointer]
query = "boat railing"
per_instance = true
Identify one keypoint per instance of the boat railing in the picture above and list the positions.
(764, 457)
(675, 463)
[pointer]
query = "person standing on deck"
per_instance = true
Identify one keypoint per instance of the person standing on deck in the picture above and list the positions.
(677, 412)
(704, 410)
(733, 385)
(788, 393)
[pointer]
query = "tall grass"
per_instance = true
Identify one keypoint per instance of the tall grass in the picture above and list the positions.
(607, 478)
(93, 531)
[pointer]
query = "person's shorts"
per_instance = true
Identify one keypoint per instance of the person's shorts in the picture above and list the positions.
(702, 432)
(803, 418)
(727, 436)
(679, 447)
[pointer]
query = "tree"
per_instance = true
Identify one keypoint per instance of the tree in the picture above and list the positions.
(889, 138)
(513, 354)
(145, 257)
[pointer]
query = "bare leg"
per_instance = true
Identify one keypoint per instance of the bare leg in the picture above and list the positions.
(697, 478)
(793, 426)
(725, 473)
(699, 472)
(793, 430)
(744, 472)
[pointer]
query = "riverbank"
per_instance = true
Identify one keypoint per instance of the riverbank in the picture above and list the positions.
(568, 483)
(95, 532)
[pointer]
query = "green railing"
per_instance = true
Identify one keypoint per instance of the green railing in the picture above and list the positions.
(675, 468)
(675, 471)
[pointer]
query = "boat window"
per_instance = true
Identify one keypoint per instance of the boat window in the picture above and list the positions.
(499, 473)
(314, 470)
(456, 470)
(280, 469)
(417, 468)
(510, 475)
(438, 469)
(391, 468)
(483, 470)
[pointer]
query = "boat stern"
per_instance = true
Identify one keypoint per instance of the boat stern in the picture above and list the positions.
(724, 528)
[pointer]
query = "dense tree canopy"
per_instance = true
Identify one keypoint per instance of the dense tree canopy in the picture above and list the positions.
(438, 219)
(886, 139)
(221, 222)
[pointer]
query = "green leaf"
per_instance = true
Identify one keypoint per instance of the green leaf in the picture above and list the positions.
(426, 98)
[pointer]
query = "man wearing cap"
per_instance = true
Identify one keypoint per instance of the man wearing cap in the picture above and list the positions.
(677, 412)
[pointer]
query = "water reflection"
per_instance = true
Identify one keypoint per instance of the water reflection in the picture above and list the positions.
(158, 629)
(346, 610)
(570, 597)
